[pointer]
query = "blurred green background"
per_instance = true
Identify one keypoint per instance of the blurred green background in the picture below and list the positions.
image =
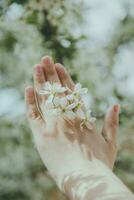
(94, 39)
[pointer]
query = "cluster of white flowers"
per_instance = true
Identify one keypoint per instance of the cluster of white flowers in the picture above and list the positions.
(68, 103)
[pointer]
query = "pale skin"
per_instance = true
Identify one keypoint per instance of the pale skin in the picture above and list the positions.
(81, 163)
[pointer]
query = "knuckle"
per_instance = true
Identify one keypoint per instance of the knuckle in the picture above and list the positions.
(113, 123)
(40, 80)
(33, 113)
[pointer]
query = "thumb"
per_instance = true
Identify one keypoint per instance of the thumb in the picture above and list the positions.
(111, 124)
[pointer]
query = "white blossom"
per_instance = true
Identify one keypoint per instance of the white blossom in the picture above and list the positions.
(52, 89)
(67, 108)
(78, 90)
(86, 117)
(68, 105)
(80, 113)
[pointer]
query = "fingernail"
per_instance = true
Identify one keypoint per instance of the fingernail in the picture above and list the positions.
(47, 60)
(116, 108)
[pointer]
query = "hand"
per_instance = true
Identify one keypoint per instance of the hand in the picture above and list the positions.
(56, 148)
(77, 162)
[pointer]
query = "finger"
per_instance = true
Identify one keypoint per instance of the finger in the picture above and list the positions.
(111, 124)
(64, 76)
(31, 108)
(39, 78)
(49, 69)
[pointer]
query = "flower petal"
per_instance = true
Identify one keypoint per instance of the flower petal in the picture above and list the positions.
(71, 106)
(88, 114)
(70, 97)
(47, 86)
(61, 90)
(84, 91)
(43, 92)
(56, 101)
(50, 98)
(88, 125)
(77, 87)
(58, 88)
(48, 105)
(63, 102)
(80, 113)
(92, 119)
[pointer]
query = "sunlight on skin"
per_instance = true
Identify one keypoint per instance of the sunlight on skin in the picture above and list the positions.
(77, 162)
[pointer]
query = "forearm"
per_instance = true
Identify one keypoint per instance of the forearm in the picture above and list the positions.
(97, 183)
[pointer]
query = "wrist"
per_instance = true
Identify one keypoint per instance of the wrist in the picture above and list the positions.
(96, 182)
(76, 184)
